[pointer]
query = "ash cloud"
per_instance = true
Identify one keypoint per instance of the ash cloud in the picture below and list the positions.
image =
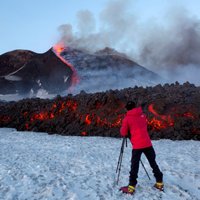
(173, 50)
(176, 44)
(170, 49)
(115, 24)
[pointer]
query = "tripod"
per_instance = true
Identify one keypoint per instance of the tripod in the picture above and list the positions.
(119, 164)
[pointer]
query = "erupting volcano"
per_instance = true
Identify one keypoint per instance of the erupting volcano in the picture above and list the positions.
(67, 70)
(172, 110)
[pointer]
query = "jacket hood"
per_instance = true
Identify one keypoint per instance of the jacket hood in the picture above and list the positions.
(135, 111)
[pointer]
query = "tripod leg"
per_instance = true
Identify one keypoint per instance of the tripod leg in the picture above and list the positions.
(145, 170)
(120, 160)
(119, 168)
(120, 155)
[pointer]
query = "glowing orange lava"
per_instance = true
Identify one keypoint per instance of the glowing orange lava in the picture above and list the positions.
(88, 120)
(156, 122)
(41, 116)
(159, 121)
(103, 121)
(58, 49)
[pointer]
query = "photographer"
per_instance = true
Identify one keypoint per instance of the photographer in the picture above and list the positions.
(134, 126)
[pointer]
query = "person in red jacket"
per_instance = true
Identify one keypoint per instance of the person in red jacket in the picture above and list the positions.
(134, 126)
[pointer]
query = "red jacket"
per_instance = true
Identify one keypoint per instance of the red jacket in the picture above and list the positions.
(135, 123)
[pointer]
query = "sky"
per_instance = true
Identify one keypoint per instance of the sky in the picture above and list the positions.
(33, 25)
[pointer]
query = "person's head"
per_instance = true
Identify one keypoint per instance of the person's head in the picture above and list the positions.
(130, 105)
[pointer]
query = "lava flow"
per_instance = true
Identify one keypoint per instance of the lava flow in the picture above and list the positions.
(159, 121)
(58, 49)
(101, 114)
(57, 109)
(103, 121)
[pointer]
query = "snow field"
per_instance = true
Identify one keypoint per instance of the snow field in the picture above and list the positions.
(42, 166)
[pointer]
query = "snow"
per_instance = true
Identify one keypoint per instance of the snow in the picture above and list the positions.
(41, 93)
(42, 166)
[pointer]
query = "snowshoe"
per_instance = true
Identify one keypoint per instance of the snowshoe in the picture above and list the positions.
(128, 189)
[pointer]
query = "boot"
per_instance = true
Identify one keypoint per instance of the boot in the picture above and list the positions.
(130, 189)
(159, 186)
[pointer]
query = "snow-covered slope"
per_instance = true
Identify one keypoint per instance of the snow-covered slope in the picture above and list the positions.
(40, 166)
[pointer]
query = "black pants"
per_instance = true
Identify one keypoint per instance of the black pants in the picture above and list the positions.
(151, 157)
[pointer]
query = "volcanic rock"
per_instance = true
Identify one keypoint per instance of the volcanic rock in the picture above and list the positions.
(14, 60)
(21, 71)
(101, 114)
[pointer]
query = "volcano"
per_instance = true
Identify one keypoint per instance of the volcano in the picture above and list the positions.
(59, 69)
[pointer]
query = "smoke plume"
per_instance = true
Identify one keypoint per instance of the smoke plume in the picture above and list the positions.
(170, 48)
(176, 44)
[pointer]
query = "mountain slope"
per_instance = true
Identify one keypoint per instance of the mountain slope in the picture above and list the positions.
(22, 71)
(108, 69)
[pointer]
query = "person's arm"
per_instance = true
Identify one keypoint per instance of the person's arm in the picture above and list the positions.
(124, 128)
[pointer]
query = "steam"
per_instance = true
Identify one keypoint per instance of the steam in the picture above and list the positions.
(86, 23)
(115, 24)
(170, 49)
(177, 44)
(106, 79)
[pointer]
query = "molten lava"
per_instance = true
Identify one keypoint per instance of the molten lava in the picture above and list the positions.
(99, 121)
(159, 121)
(88, 120)
(55, 110)
(58, 49)
(96, 117)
